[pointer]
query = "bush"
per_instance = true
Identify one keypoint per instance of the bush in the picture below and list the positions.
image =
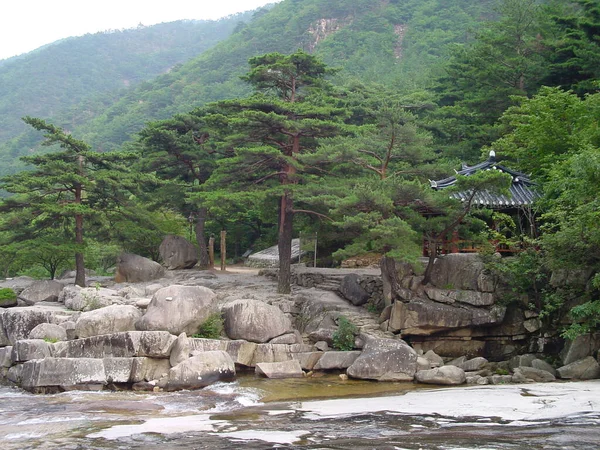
(211, 328)
(343, 338)
(7, 296)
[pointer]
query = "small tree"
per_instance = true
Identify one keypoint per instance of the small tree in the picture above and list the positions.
(64, 187)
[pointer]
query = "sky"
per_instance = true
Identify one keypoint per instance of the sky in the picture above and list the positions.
(28, 24)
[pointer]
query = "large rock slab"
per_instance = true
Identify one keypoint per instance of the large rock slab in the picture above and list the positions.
(108, 320)
(89, 298)
(426, 317)
(135, 269)
(254, 321)
(178, 309)
(41, 291)
(450, 296)
(153, 344)
(585, 369)
(149, 369)
(580, 348)
(201, 370)
(176, 252)
(335, 360)
(538, 375)
(446, 375)
(49, 331)
(457, 271)
(385, 360)
(28, 349)
(17, 323)
(242, 352)
(283, 369)
(64, 372)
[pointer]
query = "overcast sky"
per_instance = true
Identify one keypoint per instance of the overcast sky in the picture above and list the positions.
(28, 24)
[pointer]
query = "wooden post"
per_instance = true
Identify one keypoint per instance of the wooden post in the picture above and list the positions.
(211, 252)
(223, 248)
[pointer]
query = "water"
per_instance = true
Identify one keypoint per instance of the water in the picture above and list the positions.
(322, 413)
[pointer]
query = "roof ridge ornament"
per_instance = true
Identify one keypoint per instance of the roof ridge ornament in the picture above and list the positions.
(492, 156)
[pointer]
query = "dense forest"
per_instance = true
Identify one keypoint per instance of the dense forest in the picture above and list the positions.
(331, 117)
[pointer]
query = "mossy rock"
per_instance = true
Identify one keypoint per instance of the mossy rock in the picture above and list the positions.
(8, 297)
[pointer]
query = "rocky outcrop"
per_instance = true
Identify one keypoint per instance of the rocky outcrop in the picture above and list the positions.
(445, 375)
(200, 371)
(177, 252)
(88, 299)
(134, 268)
(178, 309)
(283, 369)
(49, 331)
(254, 321)
(584, 369)
(107, 320)
(41, 291)
(385, 360)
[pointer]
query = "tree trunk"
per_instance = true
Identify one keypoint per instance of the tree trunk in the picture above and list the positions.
(79, 263)
(389, 276)
(284, 244)
(203, 261)
(430, 262)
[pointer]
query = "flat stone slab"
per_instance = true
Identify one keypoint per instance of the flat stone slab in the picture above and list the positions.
(283, 369)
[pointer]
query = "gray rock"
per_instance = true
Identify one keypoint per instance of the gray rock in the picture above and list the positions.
(307, 360)
(149, 369)
(134, 269)
(352, 291)
(108, 320)
(41, 291)
(446, 375)
(521, 361)
(434, 359)
(289, 338)
(585, 369)
(176, 252)
(322, 346)
(69, 327)
(28, 349)
(153, 344)
(117, 370)
(130, 292)
(423, 363)
(201, 370)
(579, 348)
(17, 284)
(500, 379)
(17, 323)
(283, 369)
(181, 350)
(65, 372)
(336, 360)
(178, 309)
(254, 321)
(322, 335)
(49, 331)
(89, 299)
(537, 375)
(543, 365)
(6, 356)
(385, 360)
(462, 296)
(473, 365)
(458, 271)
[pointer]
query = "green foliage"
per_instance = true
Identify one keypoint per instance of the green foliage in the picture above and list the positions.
(343, 337)
(211, 328)
(7, 296)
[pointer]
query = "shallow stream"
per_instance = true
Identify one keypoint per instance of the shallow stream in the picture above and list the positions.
(315, 413)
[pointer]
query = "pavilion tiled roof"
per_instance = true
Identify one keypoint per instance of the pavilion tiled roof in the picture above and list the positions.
(522, 190)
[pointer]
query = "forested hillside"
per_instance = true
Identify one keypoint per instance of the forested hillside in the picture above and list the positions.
(332, 117)
(73, 80)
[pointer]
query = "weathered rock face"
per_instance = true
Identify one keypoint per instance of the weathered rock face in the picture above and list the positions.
(283, 369)
(181, 350)
(385, 360)
(134, 268)
(425, 317)
(446, 375)
(17, 284)
(178, 309)
(580, 348)
(201, 370)
(107, 320)
(17, 323)
(254, 321)
(334, 360)
(584, 369)
(460, 271)
(177, 252)
(41, 291)
(88, 299)
(351, 289)
(49, 331)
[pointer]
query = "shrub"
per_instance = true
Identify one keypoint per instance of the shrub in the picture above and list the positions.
(211, 328)
(343, 338)
(7, 296)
